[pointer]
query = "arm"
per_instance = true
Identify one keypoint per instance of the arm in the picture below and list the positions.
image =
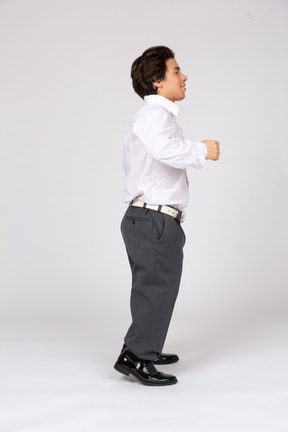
(164, 141)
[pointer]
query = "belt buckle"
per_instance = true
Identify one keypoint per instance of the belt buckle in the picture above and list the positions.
(183, 216)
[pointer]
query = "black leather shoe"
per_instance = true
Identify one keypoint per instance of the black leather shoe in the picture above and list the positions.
(143, 370)
(163, 359)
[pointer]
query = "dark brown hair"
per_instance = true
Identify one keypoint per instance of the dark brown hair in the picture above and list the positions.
(149, 67)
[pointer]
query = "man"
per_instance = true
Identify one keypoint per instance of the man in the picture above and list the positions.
(156, 156)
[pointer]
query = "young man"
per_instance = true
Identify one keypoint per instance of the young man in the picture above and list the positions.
(156, 156)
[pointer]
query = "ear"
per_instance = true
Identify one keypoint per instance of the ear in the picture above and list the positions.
(158, 83)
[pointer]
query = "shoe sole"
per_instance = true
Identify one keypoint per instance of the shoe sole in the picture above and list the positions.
(127, 372)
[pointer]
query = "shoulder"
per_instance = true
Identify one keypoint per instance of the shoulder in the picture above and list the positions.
(151, 114)
(151, 109)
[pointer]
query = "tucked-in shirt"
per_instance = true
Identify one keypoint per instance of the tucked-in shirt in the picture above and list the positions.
(156, 155)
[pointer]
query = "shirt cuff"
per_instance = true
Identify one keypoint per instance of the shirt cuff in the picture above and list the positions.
(205, 151)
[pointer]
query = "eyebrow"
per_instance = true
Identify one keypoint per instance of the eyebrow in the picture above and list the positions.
(176, 68)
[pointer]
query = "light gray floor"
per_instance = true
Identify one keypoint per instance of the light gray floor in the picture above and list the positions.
(232, 377)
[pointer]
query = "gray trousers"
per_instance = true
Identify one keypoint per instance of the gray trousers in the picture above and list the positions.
(154, 243)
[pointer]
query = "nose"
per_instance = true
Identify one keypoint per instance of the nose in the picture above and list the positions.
(184, 77)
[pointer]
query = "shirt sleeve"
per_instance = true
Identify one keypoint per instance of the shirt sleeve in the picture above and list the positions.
(164, 141)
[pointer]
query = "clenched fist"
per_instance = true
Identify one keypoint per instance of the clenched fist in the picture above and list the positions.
(213, 149)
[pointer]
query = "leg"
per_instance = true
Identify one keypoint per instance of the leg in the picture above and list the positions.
(154, 244)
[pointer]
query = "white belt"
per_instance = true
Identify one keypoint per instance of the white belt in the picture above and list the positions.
(170, 211)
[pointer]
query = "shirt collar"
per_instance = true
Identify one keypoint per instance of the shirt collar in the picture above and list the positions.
(164, 102)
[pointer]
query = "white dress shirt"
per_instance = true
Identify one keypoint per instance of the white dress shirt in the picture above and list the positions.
(156, 155)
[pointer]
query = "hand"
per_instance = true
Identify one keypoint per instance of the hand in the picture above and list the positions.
(213, 149)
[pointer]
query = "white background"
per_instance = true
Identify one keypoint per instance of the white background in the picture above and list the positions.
(65, 100)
